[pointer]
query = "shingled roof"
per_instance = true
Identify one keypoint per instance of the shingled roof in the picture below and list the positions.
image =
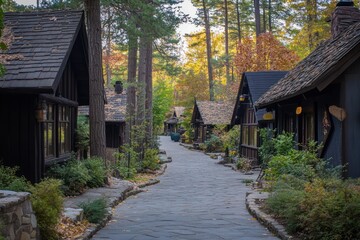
(256, 84)
(43, 41)
(115, 108)
(179, 111)
(213, 113)
(317, 70)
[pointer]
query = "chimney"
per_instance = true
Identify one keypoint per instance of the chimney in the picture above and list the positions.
(345, 14)
(118, 87)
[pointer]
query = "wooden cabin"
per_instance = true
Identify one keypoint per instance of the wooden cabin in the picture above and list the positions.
(207, 114)
(319, 99)
(172, 124)
(46, 79)
(250, 119)
(115, 116)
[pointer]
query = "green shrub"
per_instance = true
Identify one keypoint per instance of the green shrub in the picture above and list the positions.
(74, 175)
(303, 164)
(267, 146)
(244, 164)
(213, 144)
(94, 211)
(321, 209)
(82, 133)
(97, 172)
(151, 159)
(231, 140)
(127, 163)
(47, 202)
(10, 181)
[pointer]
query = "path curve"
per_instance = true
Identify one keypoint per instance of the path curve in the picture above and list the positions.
(196, 199)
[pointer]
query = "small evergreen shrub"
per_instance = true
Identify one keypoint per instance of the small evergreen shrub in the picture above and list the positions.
(213, 144)
(74, 175)
(97, 172)
(151, 159)
(10, 181)
(94, 211)
(127, 163)
(47, 201)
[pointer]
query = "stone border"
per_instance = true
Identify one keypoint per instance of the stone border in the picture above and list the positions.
(130, 191)
(267, 220)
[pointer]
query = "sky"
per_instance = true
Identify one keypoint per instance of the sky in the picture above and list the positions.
(184, 28)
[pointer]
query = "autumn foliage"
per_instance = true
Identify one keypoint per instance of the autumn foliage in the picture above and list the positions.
(266, 53)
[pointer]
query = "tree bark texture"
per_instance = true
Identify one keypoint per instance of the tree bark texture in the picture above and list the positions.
(108, 49)
(140, 98)
(96, 111)
(208, 51)
(270, 16)
(227, 62)
(148, 92)
(257, 17)
(131, 90)
(238, 19)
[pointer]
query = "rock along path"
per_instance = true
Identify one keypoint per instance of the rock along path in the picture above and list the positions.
(195, 199)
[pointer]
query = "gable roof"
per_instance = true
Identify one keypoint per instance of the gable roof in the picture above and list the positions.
(257, 83)
(213, 113)
(115, 108)
(317, 70)
(179, 111)
(43, 41)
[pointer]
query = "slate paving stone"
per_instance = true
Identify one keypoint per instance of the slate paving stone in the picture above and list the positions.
(196, 199)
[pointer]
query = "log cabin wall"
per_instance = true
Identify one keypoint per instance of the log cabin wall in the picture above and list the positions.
(19, 131)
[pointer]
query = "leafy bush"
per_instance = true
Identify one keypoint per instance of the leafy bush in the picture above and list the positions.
(82, 133)
(284, 143)
(244, 164)
(97, 172)
(321, 209)
(231, 140)
(94, 211)
(10, 181)
(47, 202)
(213, 144)
(74, 175)
(151, 159)
(267, 146)
(127, 163)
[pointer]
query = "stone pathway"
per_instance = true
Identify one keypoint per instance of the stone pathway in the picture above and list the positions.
(196, 199)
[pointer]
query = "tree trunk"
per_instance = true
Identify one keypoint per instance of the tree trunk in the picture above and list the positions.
(148, 93)
(108, 49)
(227, 64)
(263, 29)
(208, 52)
(140, 98)
(257, 17)
(96, 111)
(131, 90)
(238, 19)
(270, 17)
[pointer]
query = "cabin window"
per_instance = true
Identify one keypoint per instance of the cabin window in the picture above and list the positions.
(64, 129)
(57, 131)
(308, 127)
(49, 135)
(249, 129)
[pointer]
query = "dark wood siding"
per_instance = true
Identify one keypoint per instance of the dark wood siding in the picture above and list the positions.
(352, 124)
(18, 130)
(114, 134)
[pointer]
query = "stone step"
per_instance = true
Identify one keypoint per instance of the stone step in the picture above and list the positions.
(75, 214)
